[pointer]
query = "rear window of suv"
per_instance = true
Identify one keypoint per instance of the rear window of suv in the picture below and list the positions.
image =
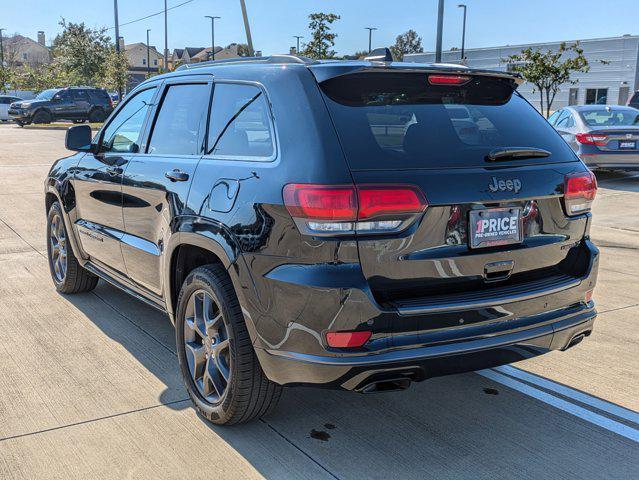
(398, 120)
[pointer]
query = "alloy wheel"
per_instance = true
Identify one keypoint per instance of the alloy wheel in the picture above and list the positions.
(206, 345)
(58, 246)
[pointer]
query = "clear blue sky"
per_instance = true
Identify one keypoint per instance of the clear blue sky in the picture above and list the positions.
(273, 22)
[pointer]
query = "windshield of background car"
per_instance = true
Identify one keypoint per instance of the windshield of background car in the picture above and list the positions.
(47, 94)
(400, 120)
(611, 117)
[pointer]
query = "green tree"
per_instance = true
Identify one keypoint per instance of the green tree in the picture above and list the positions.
(407, 42)
(40, 78)
(243, 50)
(547, 71)
(82, 52)
(323, 40)
(115, 76)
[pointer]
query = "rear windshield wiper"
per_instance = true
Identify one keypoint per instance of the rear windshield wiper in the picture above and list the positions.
(515, 153)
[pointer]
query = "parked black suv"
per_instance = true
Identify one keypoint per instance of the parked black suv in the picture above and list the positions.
(74, 103)
(356, 225)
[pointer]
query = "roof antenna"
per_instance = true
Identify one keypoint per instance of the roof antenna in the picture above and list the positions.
(382, 54)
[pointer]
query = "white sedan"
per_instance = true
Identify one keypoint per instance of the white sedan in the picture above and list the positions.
(5, 101)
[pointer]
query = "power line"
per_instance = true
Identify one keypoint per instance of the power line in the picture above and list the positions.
(161, 12)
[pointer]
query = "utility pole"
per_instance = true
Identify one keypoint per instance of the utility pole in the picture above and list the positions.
(166, 38)
(148, 57)
(1, 50)
(212, 35)
(298, 42)
(463, 31)
(370, 37)
(117, 40)
(440, 27)
(249, 40)
(2, 87)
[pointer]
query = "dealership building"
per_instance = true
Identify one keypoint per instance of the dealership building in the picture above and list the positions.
(612, 78)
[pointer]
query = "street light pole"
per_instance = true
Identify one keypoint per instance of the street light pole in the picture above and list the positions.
(370, 37)
(298, 42)
(148, 56)
(463, 31)
(440, 28)
(212, 35)
(166, 38)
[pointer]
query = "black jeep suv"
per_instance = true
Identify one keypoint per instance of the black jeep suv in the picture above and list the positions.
(74, 103)
(356, 225)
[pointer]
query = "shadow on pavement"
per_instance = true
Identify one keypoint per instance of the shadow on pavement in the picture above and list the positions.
(462, 426)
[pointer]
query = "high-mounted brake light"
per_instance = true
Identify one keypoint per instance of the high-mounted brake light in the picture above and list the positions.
(345, 209)
(448, 79)
(592, 139)
(347, 339)
(579, 192)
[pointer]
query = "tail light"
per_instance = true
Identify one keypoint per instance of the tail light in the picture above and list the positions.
(448, 79)
(592, 139)
(579, 192)
(345, 209)
(347, 339)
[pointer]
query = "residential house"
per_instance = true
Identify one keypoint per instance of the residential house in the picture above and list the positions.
(23, 51)
(139, 66)
(232, 51)
(181, 56)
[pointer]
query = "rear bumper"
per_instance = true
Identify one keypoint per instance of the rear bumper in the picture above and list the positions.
(617, 160)
(420, 342)
(420, 363)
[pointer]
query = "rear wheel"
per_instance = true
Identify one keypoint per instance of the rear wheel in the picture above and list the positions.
(42, 116)
(220, 370)
(66, 272)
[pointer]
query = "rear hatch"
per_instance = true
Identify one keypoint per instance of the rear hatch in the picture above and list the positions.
(492, 172)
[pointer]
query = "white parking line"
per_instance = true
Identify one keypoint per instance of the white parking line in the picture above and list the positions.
(584, 398)
(580, 412)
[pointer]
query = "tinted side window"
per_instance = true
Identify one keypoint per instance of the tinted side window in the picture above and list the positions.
(179, 120)
(240, 123)
(79, 96)
(123, 133)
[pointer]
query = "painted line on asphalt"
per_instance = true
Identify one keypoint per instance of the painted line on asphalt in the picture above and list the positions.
(580, 412)
(571, 393)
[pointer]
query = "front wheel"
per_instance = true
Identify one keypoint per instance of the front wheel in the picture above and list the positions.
(221, 372)
(66, 272)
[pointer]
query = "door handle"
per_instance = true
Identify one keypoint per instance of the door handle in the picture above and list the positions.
(177, 175)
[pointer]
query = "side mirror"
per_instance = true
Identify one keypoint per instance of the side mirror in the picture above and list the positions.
(78, 139)
(57, 97)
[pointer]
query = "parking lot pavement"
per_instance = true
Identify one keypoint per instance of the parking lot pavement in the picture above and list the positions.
(89, 384)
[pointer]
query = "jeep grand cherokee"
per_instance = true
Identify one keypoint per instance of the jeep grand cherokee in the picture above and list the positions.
(356, 225)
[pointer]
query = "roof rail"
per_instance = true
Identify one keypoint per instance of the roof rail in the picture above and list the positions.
(234, 61)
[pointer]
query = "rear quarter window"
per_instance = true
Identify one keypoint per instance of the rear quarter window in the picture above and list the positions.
(398, 120)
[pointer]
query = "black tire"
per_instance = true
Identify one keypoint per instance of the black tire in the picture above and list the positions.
(97, 115)
(248, 394)
(70, 277)
(42, 116)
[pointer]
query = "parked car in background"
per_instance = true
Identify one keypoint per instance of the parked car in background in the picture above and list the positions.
(330, 224)
(78, 104)
(603, 136)
(5, 101)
